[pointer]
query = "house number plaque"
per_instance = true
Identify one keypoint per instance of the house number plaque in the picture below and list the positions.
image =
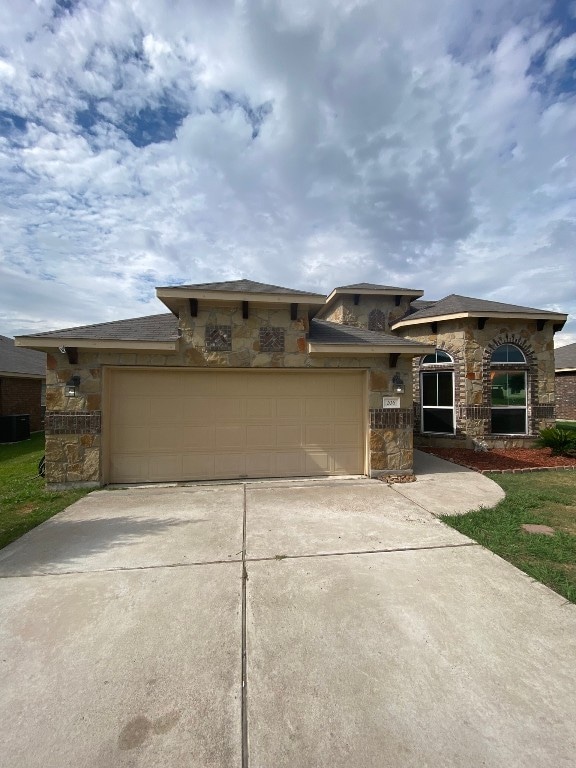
(390, 402)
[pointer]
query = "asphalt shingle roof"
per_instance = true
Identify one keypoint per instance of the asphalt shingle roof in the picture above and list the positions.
(26, 362)
(454, 304)
(242, 286)
(325, 332)
(371, 287)
(150, 328)
(565, 357)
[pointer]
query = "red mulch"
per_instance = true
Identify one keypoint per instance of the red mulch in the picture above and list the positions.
(511, 460)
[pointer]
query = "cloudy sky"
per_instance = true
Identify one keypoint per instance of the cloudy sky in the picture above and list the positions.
(305, 143)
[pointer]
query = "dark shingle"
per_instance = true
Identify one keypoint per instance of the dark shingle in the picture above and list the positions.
(241, 286)
(150, 328)
(455, 304)
(26, 362)
(565, 357)
(372, 287)
(325, 332)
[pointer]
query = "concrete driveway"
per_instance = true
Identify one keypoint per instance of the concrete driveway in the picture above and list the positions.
(364, 633)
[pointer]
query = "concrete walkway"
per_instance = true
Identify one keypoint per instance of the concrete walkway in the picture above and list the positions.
(302, 624)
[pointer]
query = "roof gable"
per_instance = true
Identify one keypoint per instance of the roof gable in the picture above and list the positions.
(565, 357)
(240, 286)
(455, 305)
(22, 362)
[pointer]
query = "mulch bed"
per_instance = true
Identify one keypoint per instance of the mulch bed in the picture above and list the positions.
(512, 460)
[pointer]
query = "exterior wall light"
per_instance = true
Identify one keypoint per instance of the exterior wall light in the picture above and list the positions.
(398, 384)
(71, 388)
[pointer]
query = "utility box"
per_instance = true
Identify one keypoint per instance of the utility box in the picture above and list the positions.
(14, 428)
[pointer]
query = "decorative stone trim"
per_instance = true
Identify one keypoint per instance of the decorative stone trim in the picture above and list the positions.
(475, 412)
(377, 320)
(543, 412)
(391, 418)
(272, 339)
(73, 422)
(218, 338)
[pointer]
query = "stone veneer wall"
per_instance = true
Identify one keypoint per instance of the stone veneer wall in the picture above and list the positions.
(346, 312)
(73, 425)
(471, 348)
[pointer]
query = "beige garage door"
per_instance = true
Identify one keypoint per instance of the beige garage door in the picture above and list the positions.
(189, 425)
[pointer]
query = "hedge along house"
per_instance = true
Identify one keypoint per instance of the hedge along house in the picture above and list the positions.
(491, 376)
(238, 380)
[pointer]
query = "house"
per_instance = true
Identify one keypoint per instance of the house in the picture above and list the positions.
(244, 380)
(22, 382)
(566, 382)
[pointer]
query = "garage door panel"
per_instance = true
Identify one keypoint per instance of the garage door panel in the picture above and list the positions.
(192, 425)
(230, 465)
(165, 467)
(288, 464)
(318, 408)
(259, 464)
(227, 437)
(347, 407)
(198, 465)
(318, 435)
(317, 463)
(198, 438)
(131, 411)
(260, 436)
(260, 408)
(347, 434)
(166, 409)
(289, 408)
(228, 409)
(130, 439)
(289, 435)
(198, 409)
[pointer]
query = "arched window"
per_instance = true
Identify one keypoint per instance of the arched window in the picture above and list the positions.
(437, 393)
(508, 390)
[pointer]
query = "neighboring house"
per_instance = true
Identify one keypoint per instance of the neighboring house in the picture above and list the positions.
(22, 382)
(566, 382)
(245, 380)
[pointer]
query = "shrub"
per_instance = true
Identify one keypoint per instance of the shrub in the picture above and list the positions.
(561, 441)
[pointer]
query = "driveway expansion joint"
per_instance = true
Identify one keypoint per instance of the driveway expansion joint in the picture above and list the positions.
(389, 550)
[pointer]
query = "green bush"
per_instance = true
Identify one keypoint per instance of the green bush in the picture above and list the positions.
(561, 441)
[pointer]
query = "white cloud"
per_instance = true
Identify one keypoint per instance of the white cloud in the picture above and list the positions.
(307, 144)
(561, 53)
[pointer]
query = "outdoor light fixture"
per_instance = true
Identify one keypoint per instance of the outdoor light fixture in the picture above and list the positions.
(70, 390)
(398, 384)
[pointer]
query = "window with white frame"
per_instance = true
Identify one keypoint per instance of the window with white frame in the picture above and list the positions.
(508, 386)
(437, 393)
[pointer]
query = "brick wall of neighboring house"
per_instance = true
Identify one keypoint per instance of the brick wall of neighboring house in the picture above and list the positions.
(471, 347)
(73, 425)
(566, 395)
(20, 395)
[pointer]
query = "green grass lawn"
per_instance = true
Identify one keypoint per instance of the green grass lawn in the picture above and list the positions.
(24, 501)
(545, 498)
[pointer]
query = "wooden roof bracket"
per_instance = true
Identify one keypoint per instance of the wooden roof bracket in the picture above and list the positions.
(397, 300)
(540, 325)
(193, 307)
(434, 327)
(356, 299)
(72, 354)
(481, 323)
(245, 310)
(393, 357)
(293, 311)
